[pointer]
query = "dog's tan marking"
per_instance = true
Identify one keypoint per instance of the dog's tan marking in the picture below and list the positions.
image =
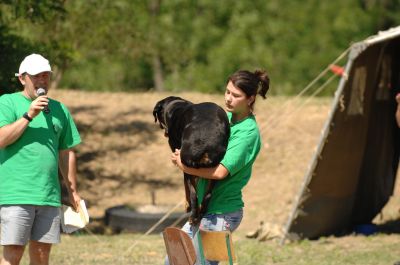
(205, 159)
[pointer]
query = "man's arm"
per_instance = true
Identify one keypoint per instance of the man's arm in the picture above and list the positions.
(67, 165)
(218, 172)
(11, 132)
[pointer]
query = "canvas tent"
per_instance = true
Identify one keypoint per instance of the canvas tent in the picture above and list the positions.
(352, 173)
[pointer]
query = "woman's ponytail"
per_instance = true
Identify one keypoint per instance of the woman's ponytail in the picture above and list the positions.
(251, 83)
(263, 85)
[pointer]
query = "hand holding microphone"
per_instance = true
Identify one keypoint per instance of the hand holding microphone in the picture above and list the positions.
(42, 92)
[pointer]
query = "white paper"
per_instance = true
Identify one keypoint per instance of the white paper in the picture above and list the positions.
(71, 220)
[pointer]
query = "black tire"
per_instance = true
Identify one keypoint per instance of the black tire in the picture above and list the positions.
(121, 218)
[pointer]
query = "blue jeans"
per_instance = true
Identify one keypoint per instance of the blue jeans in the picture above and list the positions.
(212, 222)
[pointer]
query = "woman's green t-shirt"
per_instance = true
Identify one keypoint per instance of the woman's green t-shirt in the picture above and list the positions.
(243, 147)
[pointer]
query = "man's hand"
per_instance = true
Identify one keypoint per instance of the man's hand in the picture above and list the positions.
(38, 105)
(74, 199)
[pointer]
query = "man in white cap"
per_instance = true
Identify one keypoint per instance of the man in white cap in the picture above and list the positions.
(33, 146)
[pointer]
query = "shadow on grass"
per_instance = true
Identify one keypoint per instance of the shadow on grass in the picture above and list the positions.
(390, 227)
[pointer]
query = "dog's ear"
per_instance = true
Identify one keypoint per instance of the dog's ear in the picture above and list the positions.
(157, 113)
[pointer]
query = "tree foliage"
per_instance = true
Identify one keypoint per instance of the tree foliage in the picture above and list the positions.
(184, 45)
(17, 40)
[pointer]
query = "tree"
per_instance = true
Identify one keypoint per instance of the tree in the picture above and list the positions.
(15, 39)
(188, 45)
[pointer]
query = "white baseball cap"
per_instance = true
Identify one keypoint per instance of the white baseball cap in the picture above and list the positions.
(34, 64)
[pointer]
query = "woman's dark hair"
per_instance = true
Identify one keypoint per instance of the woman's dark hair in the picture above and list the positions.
(251, 83)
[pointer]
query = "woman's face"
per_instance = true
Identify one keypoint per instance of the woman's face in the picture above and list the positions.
(236, 100)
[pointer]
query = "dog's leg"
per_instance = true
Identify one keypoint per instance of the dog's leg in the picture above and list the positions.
(191, 196)
(195, 213)
(207, 198)
(186, 182)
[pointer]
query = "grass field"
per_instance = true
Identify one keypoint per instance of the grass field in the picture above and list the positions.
(124, 159)
(357, 250)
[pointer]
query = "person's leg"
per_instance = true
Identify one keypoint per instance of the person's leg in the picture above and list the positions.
(39, 253)
(16, 224)
(217, 222)
(12, 254)
(45, 232)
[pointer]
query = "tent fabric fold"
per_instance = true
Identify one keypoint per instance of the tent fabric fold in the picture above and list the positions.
(352, 173)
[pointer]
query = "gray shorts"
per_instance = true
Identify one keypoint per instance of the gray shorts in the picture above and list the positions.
(21, 223)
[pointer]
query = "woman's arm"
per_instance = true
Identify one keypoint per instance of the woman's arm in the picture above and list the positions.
(217, 172)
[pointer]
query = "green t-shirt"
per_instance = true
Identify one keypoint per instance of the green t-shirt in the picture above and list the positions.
(29, 166)
(243, 148)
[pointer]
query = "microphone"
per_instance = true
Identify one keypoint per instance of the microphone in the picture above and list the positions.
(42, 92)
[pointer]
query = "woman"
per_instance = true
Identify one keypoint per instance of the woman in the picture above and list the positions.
(225, 209)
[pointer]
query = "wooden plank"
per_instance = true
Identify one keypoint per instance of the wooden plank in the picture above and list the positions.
(179, 245)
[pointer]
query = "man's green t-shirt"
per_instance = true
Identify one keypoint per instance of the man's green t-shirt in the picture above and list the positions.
(29, 166)
(243, 148)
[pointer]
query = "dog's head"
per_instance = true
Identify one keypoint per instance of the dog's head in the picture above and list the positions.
(161, 109)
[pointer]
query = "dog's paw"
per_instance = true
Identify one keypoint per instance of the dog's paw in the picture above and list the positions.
(195, 217)
(187, 207)
(194, 220)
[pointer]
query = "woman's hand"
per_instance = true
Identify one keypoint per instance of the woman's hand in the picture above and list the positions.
(176, 158)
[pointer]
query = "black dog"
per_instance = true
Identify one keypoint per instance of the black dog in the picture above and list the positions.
(201, 131)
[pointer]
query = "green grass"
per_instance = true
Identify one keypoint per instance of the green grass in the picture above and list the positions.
(357, 250)
(363, 251)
